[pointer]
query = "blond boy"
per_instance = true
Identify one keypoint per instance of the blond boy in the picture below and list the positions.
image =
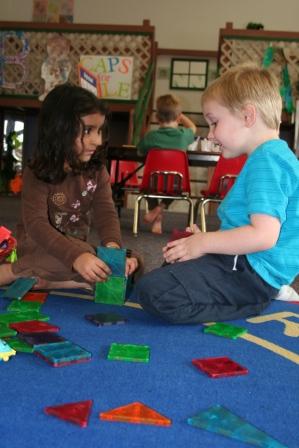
(236, 271)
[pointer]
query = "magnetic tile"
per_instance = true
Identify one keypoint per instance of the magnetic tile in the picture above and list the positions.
(225, 330)
(19, 288)
(34, 326)
(114, 258)
(62, 353)
(219, 367)
(77, 412)
(101, 319)
(129, 352)
(222, 421)
(136, 413)
(23, 307)
(112, 291)
(36, 339)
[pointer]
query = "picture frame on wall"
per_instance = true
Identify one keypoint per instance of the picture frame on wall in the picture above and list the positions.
(189, 74)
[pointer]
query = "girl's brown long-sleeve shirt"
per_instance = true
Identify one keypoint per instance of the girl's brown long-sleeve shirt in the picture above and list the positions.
(52, 215)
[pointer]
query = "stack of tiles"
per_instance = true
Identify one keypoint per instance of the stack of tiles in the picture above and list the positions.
(113, 290)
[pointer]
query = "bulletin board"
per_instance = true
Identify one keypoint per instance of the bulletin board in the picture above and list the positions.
(23, 50)
(237, 46)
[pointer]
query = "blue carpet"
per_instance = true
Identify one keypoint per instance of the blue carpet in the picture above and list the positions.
(267, 397)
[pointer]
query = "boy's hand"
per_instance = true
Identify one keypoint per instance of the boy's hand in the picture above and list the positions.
(91, 268)
(193, 229)
(183, 249)
(131, 265)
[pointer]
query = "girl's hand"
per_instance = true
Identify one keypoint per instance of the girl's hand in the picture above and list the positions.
(91, 268)
(131, 265)
(183, 249)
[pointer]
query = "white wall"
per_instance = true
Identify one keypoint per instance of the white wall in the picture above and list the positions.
(191, 24)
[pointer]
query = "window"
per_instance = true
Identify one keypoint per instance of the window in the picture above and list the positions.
(189, 74)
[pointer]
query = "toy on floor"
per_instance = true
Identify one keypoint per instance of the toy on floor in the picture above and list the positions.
(62, 354)
(129, 352)
(9, 318)
(225, 330)
(34, 326)
(19, 288)
(7, 245)
(219, 367)
(113, 290)
(77, 412)
(6, 331)
(23, 307)
(5, 351)
(37, 339)
(102, 319)
(39, 297)
(135, 413)
(222, 421)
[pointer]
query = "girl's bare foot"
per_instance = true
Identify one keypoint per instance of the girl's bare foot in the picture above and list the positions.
(157, 225)
(6, 274)
(152, 215)
(69, 284)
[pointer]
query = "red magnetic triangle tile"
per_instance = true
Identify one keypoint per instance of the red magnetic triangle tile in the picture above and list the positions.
(33, 326)
(77, 412)
(35, 297)
(136, 413)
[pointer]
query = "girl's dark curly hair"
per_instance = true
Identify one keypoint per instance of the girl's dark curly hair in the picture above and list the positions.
(60, 123)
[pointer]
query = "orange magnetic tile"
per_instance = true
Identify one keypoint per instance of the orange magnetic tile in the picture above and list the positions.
(136, 413)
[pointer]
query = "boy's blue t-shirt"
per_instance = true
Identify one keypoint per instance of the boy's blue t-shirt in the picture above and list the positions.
(268, 184)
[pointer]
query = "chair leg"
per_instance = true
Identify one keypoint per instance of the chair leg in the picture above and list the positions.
(203, 215)
(191, 212)
(203, 212)
(136, 214)
(196, 207)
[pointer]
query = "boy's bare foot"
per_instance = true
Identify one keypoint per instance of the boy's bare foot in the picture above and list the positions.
(6, 274)
(157, 225)
(152, 215)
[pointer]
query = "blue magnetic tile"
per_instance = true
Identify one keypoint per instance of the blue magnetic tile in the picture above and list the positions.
(19, 288)
(222, 421)
(62, 352)
(114, 258)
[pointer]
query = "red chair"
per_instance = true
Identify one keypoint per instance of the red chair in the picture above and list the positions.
(165, 176)
(123, 170)
(224, 176)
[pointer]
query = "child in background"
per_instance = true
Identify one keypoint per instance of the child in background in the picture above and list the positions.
(64, 184)
(169, 136)
(235, 272)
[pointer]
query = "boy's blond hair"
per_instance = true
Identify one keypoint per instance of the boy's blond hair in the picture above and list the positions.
(248, 84)
(168, 108)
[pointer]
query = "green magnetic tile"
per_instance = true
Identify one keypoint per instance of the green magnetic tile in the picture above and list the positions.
(225, 330)
(23, 307)
(6, 331)
(220, 420)
(129, 352)
(112, 291)
(20, 346)
(115, 259)
(8, 318)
